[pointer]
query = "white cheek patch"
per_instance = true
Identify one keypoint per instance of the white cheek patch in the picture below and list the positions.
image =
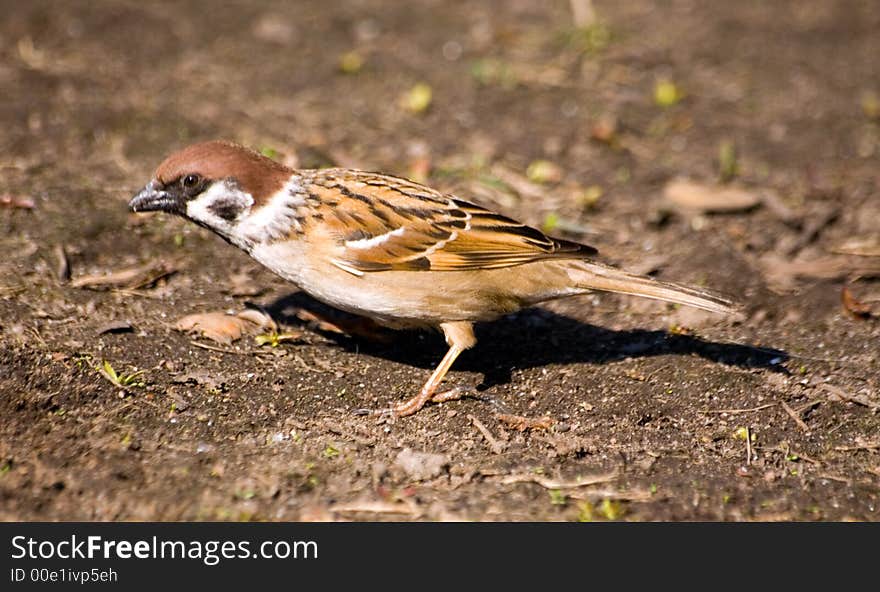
(220, 207)
(277, 218)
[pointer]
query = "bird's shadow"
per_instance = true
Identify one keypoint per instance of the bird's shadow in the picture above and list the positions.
(531, 338)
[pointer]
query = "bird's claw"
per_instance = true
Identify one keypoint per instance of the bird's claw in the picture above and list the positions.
(408, 407)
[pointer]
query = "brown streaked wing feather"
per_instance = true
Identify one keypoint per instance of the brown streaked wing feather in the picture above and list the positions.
(382, 223)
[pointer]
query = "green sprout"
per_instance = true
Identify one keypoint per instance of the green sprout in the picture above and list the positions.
(121, 380)
(274, 339)
(557, 497)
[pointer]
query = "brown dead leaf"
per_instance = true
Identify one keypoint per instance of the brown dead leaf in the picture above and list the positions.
(856, 308)
(522, 423)
(259, 318)
(783, 275)
(224, 328)
(16, 202)
(835, 393)
(863, 246)
(130, 278)
(605, 129)
(550, 483)
(708, 198)
(62, 263)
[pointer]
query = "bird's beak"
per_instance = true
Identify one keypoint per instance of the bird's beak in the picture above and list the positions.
(152, 198)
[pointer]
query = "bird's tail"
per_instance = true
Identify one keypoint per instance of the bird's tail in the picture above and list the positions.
(595, 276)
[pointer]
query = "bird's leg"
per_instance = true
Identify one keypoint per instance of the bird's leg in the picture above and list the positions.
(459, 336)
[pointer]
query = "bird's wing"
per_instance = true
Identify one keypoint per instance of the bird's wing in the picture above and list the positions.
(377, 222)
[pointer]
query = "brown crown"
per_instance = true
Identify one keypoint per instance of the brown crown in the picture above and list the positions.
(258, 175)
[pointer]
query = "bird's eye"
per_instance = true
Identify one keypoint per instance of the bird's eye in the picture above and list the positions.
(191, 181)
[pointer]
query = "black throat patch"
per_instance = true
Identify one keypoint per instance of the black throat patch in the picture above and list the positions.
(228, 209)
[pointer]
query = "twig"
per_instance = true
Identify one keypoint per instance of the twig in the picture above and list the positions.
(735, 411)
(548, 483)
(868, 446)
(127, 292)
(62, 263)
(639, 495)
(808, 405)
(217, 349)
(835, 478)
(494, 445)
(791, 413)
(845, 396)
(11, 290)
(814, 226)
(748, 446)
(252, 352)
(374, 507)
(522, 423)
(341, 431)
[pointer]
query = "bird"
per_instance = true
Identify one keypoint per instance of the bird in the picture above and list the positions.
(395, 251)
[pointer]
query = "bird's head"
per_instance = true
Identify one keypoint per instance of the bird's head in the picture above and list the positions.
(216, 184)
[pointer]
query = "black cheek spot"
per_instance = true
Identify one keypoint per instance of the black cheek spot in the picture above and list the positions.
(226, 209)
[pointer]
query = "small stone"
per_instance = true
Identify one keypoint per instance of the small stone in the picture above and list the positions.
(421, 466)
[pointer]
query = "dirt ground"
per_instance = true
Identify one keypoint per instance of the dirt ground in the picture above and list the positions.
(635, 410)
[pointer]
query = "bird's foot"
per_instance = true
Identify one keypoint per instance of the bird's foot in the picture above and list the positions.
(413, 405)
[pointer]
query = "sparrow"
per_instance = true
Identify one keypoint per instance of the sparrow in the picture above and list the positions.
(380, 246)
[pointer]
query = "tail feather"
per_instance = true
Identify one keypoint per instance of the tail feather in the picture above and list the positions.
(595, 276)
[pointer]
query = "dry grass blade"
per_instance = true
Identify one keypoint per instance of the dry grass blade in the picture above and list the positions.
(130, 278)
(783, 275)
(860, 446)
(861, 246)
(522, 423)
(637, 495)
(12, 201)
(374, 507)
(548, 483)
(495, 445)
(703, 197)
(794, 416)
(837, 393)
(737, 411)
(62, 263)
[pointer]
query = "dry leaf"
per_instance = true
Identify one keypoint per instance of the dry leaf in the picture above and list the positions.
(864, 246)
(703, 197)
(522, 423)
(224, 328)
(259, 318)
(605, 129)
(857, 309)
(62, 263)
(12, 201)
(131, 278)
(782, 274)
